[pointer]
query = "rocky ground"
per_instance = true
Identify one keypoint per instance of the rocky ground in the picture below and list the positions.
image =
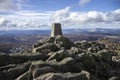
(57, 58)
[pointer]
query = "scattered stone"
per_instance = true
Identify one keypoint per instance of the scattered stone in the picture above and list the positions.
(58, 58)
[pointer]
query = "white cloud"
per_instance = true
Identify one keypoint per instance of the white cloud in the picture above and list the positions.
(89, 19)
(25, 20)
(4, 22)
(9, 5)
(41, 20)
(60, 14)
(83, 2)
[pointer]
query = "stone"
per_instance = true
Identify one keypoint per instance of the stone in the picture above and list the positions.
(51, 40)
(17, 71)
(43, 70)
(84, 75)
(66, 65)
(105, 55)
(37, 44)
(50, 76)
(61, 41)
(88, 60)
(6, 59)
(3, 76)
(114, 78)
(7, 67)
(26, 76)
(61, 54)
(47, 46)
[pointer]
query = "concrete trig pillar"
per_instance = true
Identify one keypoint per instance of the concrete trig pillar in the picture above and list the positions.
(56, 29)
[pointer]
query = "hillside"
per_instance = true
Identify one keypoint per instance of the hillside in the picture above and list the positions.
(58, 58)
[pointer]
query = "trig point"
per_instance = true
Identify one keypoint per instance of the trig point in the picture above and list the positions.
(56, 29)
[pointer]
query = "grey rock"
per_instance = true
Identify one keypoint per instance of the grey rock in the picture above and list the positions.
(50, 76)
(61, 41)
(84, 75)
(26, 76)
(105, 55)
(43, 70)
(66, 65)
(114, 78)
(17, 71)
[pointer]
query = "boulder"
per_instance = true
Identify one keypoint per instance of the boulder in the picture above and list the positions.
(43, 70)
(26, 76)
(61, 54)
(84, 75)
(61, 41)
(88, 60)
(3, 76)
(7, 67)
(105, 55)
(13, 73)
(50, 76)
(37, 45)
(49, 46)
(66, 65)
(51, 39)
(114, 78)
(6, 59)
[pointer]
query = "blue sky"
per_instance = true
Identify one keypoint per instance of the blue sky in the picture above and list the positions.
(52, 5)
(40, 14)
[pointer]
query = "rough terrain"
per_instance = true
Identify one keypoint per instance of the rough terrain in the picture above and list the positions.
(58, 58)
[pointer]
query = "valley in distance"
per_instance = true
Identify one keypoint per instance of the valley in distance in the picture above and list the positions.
(13, 41)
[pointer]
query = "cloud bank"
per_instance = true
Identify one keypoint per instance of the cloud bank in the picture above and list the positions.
(25, 20)
(90, 18)
(43, 20)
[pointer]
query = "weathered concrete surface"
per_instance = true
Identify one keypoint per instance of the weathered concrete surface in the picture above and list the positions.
(56, 29)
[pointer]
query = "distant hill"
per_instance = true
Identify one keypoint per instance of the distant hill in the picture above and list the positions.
(17, 38)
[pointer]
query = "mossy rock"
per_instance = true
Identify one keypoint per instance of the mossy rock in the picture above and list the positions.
(63, 42)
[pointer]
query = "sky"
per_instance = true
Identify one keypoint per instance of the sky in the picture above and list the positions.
(40, 14)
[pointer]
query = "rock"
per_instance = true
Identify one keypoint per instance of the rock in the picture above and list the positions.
(50, 46)
(50, 76)
(39, 56)
(88, 60)
(114, 78)
(84, 45)
(26, 76)
(6, 59)
(51, 39)
(55, 55)
(17, 71)
(65, 76)
(3, 76)
(61, 41)
(37, 45)
(66, 65)
(84, 75)
(59, 55)
(58, 58)
(43, 70)
(105, 55)
(76, 50)
(95, 47)
(7, 67)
